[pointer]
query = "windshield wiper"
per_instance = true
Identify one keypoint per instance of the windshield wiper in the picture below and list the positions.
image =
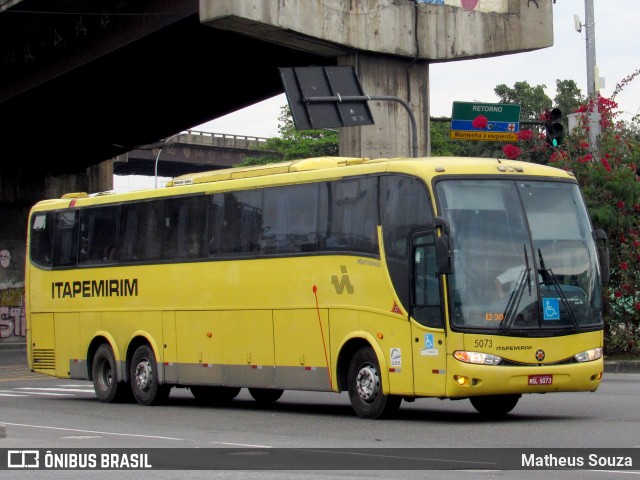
(549, 278)
(516, 295)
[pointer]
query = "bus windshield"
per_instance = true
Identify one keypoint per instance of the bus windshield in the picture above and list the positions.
(524, 258)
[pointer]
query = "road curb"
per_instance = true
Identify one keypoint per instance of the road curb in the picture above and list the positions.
(622, 366)
(610, 366)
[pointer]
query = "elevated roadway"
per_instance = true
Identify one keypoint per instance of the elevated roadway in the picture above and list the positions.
(190, 151)
(84, 81)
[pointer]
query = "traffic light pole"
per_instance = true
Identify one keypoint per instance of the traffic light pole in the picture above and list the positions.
(362, 98)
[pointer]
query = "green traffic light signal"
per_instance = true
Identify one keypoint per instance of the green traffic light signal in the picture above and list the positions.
(554, 128)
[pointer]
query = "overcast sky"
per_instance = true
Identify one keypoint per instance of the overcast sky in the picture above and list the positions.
(617, 23)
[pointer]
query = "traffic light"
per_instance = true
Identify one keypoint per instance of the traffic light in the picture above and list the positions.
(553, 127)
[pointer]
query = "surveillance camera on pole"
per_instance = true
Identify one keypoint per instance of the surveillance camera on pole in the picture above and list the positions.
(577, 23)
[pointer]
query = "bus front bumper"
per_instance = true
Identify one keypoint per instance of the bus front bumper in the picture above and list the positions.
(468, 380)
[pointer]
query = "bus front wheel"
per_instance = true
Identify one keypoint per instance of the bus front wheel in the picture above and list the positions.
(365, 387)
(105, 378)
(145, 383)
(495, 405)
(266, 395)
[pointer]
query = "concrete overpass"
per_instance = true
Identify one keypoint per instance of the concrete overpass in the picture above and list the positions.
(190, 151)
(84, 81)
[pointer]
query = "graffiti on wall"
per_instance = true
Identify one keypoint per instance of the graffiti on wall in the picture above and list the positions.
(13, 324)
(488, 6)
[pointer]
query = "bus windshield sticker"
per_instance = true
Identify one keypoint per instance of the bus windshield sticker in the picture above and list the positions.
(551, 308)
(39, 222)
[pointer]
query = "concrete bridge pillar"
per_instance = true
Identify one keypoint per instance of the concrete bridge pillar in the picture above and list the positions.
(391, 134)
(390, 43)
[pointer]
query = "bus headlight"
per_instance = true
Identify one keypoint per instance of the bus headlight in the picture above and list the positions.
(476, 357)
(589, 355)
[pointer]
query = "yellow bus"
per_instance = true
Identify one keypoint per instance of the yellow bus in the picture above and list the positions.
(388, 279)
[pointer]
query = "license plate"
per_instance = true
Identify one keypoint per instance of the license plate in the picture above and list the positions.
(540, 379)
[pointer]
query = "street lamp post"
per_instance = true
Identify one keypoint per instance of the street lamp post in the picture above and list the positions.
(163, 143)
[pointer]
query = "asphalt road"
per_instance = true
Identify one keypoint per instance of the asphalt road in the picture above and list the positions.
(41, 412)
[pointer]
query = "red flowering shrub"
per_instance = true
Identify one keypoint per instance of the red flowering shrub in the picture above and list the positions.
(480, 122)
(511, 151)
(607, 175)
(524, 135)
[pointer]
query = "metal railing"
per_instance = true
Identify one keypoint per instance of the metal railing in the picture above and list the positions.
(219, 139)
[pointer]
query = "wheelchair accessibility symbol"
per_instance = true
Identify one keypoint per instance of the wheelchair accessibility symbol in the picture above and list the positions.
(551, 308)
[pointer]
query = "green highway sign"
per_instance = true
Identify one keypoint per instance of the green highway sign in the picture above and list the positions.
(485, 121)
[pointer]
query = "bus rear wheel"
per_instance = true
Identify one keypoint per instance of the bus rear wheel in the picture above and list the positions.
(266, 395)
(365, 387)
(212, 395)
(145, 383)
(495, 405)
(105, 378)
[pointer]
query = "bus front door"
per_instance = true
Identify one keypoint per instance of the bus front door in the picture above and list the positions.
(427, 318)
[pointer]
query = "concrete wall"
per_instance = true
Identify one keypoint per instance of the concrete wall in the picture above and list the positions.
(19, 190)
(428, 30)
(390, 135)
(13, 219)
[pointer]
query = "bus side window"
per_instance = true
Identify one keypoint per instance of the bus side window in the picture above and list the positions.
(230, 239)
(42, 235)
(216, 223)
(140, 234)
(405, 207)
(184, 221)
(290, 219)
(354, 216)
(427, 307)
(98, 235)
(129, 232)
(242, 222)
(65, 248)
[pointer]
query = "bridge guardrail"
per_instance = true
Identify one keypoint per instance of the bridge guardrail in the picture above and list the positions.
(219, 139)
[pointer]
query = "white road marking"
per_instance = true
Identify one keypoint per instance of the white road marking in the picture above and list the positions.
(53, 389)
(91, 431)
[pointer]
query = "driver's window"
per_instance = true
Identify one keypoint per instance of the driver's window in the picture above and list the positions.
(426, 301)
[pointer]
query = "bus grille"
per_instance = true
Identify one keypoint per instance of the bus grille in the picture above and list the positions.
(44, 359)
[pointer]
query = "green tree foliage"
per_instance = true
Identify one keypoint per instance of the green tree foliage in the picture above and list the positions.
(295, 144)
(568, 97)
(440, 141)
(532, 100)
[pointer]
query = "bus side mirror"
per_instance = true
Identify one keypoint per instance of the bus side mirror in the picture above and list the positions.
(444, 247)
(602, 243)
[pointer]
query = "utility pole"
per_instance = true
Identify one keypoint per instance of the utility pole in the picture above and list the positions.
(592, 80)
(590, 35)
